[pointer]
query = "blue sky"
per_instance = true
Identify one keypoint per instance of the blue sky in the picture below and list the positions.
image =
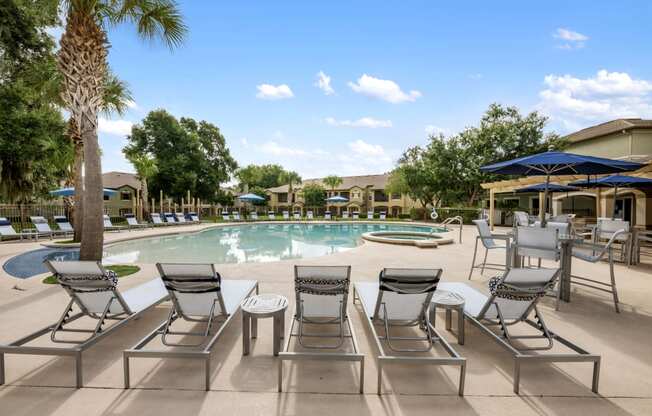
(390, 72)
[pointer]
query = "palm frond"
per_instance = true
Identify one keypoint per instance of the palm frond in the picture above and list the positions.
(154, 19)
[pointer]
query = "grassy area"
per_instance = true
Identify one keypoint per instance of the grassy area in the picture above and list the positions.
(122, 270)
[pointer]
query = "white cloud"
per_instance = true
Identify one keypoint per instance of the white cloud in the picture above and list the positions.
(432, 130)
(362, 148)
(572, 40)
(476, 76)
(114, 127)
(273, 148)
(367, 122)
(274, 92)
(383, 89)
(244, 142)
(576, 101)
(132, 105)
(324, 83)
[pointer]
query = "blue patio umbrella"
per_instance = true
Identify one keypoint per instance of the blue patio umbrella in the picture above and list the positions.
(71, 191)
(337, 198)
(559, 163)
(615, 181)
(251, 198)
(552, 187)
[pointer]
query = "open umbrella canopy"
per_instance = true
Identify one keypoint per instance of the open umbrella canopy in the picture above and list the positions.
(71, 191)
(251, 198)
(337, 198)
(552, 187)
(560, 163)
(612, 181)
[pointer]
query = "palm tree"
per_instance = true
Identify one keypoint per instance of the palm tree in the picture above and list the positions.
(82, 61)
(145, 168)
(291, 178)
(116, 100)
(332, 181)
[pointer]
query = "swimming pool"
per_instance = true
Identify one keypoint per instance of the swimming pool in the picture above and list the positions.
(251, 243)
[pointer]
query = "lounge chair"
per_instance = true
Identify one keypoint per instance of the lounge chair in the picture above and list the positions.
(286, 215)
(94, 292)
(401, 298)
(7, 231)
(271, 216)
(193, 217)
(321, 301)
(254, 216)
(356, 215)
(370, 215)
(169, 218)
(345, 215)
(63, 224)
(198, 295)
(521, 219)
(296, 215)
(235, 215)
(132, 222)
(181, 218)
(382, 215)
(156, 219)
(514, 297)
(226, 216)
(43, 228)
(108, 226)
(310, 215)
(327, 216)
(488, 240)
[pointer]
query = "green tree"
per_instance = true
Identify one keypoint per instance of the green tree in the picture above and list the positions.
(291, 178)
(190, 155)
(314, 195)
(82, 60)
(146, 168)
(332, 181)
(413, 176)
(260, 176)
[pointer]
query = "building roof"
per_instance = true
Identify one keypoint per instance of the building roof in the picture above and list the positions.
(610, 127)
(115, 180)
(348, 182)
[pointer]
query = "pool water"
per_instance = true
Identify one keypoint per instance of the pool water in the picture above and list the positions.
(251, 243)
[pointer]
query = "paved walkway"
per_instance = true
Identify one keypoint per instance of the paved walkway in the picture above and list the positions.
(246, 385)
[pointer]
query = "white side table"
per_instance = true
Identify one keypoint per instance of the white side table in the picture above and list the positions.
(259, 307)
(449, 301)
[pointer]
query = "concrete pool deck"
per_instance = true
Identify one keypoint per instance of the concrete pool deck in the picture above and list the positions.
(247, 385)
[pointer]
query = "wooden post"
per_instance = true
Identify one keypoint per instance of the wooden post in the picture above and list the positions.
(161, 200)
(182, 204)
(491, 208)
(542, 205)
(188, 200)
(598, 203)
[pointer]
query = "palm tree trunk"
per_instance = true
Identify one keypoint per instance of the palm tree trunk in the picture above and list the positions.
(78, 179)
(93, 224)
(144, 195)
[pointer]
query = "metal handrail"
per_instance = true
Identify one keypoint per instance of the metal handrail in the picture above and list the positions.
(458, 219)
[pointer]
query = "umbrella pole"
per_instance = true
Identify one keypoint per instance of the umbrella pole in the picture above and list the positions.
(613, 211)
(545, 200)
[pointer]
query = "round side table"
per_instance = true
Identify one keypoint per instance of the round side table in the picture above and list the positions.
(259, 307)
(449, 301)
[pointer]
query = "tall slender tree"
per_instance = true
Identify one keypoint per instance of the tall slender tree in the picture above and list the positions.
(145, 166)
(82, 61)
(332, 181)
(291, 178)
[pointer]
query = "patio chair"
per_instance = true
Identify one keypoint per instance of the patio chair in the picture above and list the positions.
(271, 216)
(132, 222)
(345, 215)
(43, 228)
(513, 301)
(356, 215)
(321, 301)
(235, 215)
(63, 224)
(193, 217)
(181, 218)
(327, 215)
(7, 231)
(607, 227)
(286, 215)
(310, 215)
(198, 295)
(169, 218)
(383, 215)
(489, 242)
(401, 298)
(94, 292)
(521, 219)
(226, 216)
(296, 215)
(253, 215)
(370, 215)
(593, 253)
(108, 225)
(156, 219)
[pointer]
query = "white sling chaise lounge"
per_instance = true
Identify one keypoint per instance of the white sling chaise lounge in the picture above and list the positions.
(169, 218)
(310, 215)
(7, 231)
(181, 218)
(271, 216)
(43, 228)
(402, 298)
(296, 215)
(328, 216)
(132, 222)
(108, 225)
(235, 215)
(156, 219)
(199, 295)
(63, 224)
(253, 216)
(514, 297)
(286, 215)
(321, 301)
(94, 293)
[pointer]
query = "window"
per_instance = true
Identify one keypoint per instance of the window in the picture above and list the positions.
(107, 197)
(396, 196)
(380, 196)
(345, 194)
(283, 197)
(125, 196)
